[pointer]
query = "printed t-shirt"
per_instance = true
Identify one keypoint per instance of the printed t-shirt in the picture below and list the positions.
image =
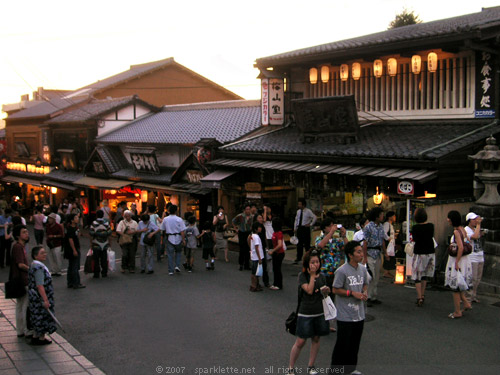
(350, 309)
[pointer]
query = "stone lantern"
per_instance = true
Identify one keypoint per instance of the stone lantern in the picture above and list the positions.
(488, 171)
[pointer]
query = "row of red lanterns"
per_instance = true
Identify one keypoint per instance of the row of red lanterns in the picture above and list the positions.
(392, 68)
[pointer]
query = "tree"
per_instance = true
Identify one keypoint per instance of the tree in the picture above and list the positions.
(405, 18)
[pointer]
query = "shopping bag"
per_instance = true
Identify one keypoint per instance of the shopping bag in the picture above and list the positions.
(260, 270)
(391, 248)
(89, 262)
(329, 308)
(461, 283)
(111, 261)
(409, 248)
(435, 243)
(368, 273)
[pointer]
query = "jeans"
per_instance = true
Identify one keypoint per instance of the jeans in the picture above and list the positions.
(73, 277)
(173, 250)
(100, 257)
(55, 259)
(39, 236)
(147, 257)
(304, 237)
(374, 265)
(278, 275)
(345, 352)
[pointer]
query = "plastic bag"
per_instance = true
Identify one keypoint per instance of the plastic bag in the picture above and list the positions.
(111, 261)
(391, 248)
(369, 276)
(461, 283)
(259, 271)
(329, 308)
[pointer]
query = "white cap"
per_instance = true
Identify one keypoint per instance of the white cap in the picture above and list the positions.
(471, 216)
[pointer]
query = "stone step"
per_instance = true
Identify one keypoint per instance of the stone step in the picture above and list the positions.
(489, 287)
(492, 248)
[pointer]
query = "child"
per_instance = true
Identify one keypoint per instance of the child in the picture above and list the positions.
(208, 244)
(192, 234)
(256, 255)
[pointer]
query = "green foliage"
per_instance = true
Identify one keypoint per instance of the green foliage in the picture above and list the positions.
(405, 18)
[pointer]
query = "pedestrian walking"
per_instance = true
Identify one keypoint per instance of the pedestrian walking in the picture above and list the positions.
(458, 264)
(304, 220)
(72, 252)
(174, 229)
(277, 253)
(100, 231)
(243, 224)
(256, 255)
(192, 234)
(311, 323)
(55, 237)
(207, 238)
(373, 248)
(148, 230)
(351, 290)
(220, 223)
(424, 258)
(126, 230)
(474, 232)
(41, 298)
(5, 218)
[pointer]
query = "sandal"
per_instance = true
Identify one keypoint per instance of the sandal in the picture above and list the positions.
(453, 316)
(420, 302)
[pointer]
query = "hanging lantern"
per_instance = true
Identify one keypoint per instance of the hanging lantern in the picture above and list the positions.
(378, 198)
(344, 72)
(416, 64)
(392, 67)
(313, 76)
(53, 190)
(377, 68)
(325, 74)
(356, 71)
(432, 62)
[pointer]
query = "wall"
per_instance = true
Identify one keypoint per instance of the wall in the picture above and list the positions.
(118, 118)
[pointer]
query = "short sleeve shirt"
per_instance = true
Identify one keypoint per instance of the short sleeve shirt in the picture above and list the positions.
(374, 237)
(256, 241)
(72, 232)
(276, 237)
(311, 304)
(152, 227)
(173, 225)
(192, 233)
(330, 254)
(19, 257)
(350, 309)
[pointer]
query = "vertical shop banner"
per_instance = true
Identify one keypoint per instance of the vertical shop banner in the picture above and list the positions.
(264, 107)
(485, 90)
(276, 101)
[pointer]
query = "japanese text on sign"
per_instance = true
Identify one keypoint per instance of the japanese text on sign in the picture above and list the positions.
(145, 163)
(405, 187)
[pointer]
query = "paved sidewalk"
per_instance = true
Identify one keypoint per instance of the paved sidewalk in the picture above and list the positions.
(18, 357)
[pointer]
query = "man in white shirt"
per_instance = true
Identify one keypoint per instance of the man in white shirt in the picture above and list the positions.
(304, 220)
(174, 230)
(473, 230)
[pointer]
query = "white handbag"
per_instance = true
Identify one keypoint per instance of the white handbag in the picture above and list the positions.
(409, 248)
(391, 248)
(329, 308)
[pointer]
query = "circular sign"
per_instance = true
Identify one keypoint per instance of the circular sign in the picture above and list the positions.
(405, 187)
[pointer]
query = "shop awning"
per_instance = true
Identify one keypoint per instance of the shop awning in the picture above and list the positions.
(100, 183)
(174, 188)
(418, 175)
(59, 185)
(24, 180)
(214, 179)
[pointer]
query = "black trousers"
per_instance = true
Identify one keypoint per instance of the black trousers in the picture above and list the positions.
(345, 353)
(100, 257)
(304, 237)
(244, 258)
(278, 275)
(4, 251)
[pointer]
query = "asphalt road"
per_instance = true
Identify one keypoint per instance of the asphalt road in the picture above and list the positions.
(208, 322)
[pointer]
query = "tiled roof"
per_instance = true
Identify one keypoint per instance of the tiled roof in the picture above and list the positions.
(47, 108)
(187, 124)
(112, 157)
(64, 176)
(456, 26)
(91, 110)
(130, 174)
(412, 140)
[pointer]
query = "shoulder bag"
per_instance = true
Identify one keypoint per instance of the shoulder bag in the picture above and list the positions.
(149, 241)
(125, 238)
(291, 321)
(453, 247)
(409, 248)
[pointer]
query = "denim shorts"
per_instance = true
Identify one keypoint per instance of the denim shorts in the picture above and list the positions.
(308, 327)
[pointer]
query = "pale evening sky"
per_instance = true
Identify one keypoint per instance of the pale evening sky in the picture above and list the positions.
(68, 44)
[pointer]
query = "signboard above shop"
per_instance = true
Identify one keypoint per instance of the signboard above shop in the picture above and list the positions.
(406, 188)
(273, 101)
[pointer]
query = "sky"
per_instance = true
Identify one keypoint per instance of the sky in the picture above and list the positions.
(69, 44)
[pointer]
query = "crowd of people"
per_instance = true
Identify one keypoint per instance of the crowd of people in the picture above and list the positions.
(348, 271)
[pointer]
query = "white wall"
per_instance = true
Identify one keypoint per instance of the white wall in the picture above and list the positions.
(124, 115)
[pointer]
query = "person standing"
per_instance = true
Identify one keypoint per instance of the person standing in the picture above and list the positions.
(72, 252)
(373, 247)
(268, 226)
(304, 220)
(155, 219)
(256, 255)
(390, 244)
(207, 238)
(126, 230)
(55, 236)
(100, 231)
(277, 253)
(460, 263)
(148, 230)
(220, 223)
(473, 230)
(192, 234)
(39, 220)
(311, 323)
(175, 231)
(424, 259)
(243, 224)
(106, 210)
(41, 298)
(5, 218)
(19, 271)
(351, 290)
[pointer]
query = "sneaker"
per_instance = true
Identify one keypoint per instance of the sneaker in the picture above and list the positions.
(190, 269)
(356, 372)
(170, 274)
(273, 287)
(312, 370)
(290, 371)
(177, 269)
